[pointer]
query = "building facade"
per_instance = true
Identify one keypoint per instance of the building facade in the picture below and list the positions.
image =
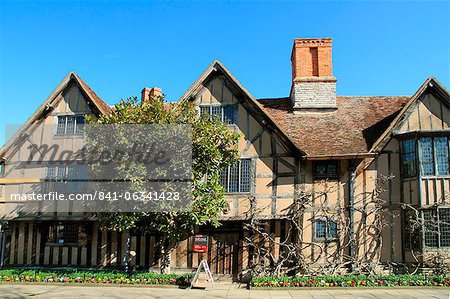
(340, 179)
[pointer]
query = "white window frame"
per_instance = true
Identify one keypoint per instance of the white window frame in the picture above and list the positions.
(76, 125)
(222, 112)
(239, 173)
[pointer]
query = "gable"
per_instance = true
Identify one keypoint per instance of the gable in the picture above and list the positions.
(76, 96)
(429, 113)
(70, 102)
(217, 84)
(429, 105)
(255, 140)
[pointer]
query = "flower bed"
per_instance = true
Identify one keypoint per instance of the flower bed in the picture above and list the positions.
(92, 277)
(352, 281)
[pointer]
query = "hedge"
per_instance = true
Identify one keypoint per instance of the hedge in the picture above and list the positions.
(92, 276)
(353, 281)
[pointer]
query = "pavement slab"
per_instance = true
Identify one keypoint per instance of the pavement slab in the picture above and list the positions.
(229, 291)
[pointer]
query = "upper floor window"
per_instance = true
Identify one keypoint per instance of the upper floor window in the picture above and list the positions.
(236, 178)
(409, 160)
(326, 229)
(326, 169)
(62, 172)
(434, 155)
(70, 124)
(226, 113)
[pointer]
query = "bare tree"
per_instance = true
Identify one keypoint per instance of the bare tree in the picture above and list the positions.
(292, 247)
(424, 230)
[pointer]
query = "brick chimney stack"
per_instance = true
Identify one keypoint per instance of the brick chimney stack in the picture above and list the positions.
(313, 84)
(148, 93)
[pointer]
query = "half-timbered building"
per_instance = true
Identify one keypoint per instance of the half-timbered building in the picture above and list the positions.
(343, 156)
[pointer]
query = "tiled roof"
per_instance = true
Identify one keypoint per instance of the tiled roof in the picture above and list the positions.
(351, 129)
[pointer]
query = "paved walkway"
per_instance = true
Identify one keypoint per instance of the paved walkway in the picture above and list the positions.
(219, 291)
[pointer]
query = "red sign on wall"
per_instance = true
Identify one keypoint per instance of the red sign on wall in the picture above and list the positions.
(200, 243)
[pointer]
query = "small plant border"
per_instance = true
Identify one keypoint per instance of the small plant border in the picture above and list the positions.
(351, 281)
(83, 276)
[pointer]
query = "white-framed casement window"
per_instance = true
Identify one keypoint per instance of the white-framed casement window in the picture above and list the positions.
(70, 124)
(326, 229)
(225, 113)
(236, 179)
(65, 172)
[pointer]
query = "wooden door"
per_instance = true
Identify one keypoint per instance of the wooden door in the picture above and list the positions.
(223, 253)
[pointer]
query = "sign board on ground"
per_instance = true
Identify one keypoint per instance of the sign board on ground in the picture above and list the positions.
(208, 275)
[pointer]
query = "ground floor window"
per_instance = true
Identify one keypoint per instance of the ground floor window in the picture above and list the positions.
(412, 229)
(63, 233)
(325, 229)
(433, 225)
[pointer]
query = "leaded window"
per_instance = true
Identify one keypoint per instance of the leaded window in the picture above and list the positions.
(409, 161)
(61, 128)
(321, 229)
(441, 154)
(62, 172)
(426, 156)
(229, 114)
(225, 113)
(245, 175)
(63, 233)
(332, 229)
(412, 229)
(444, 227)
(236, 178)
(70, 124)
(436, 224)
(51, 172)
(326, 169)
(216, 111)
(80, 125)
(434, 156)
(233, 183)
(431, 228)
(326, 229)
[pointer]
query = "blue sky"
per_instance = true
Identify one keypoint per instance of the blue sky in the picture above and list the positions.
(118, 47)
